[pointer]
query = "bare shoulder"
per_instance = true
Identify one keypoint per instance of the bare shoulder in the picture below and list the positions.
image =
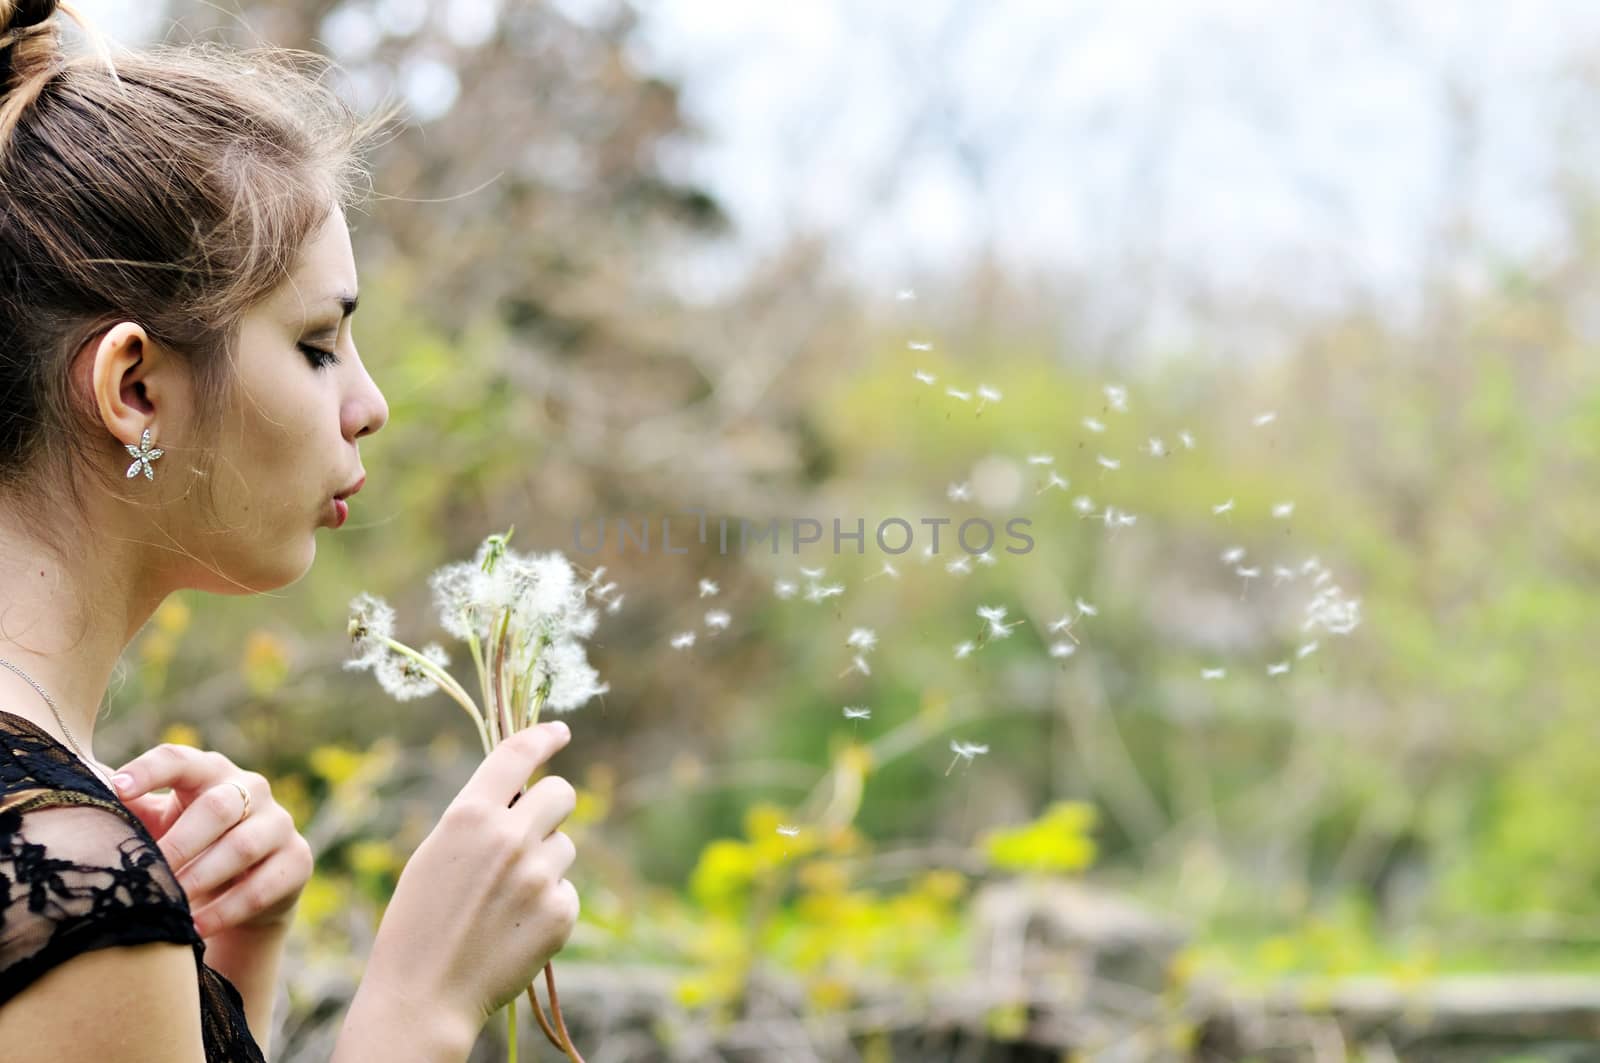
(133, 1003)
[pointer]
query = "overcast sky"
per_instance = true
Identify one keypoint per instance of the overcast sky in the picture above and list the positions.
(1256, 142)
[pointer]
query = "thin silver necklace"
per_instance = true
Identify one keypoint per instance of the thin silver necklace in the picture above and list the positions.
(64, 730)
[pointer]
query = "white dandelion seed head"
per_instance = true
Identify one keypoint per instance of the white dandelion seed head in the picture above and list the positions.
(812, 573)
(457, 589)
(1155, 447)
(563, 670)
(1093, 425)
(820, 591)
(1187, 440)
(959, 566)
(1117, 396)
(1062, 649)
(1083, 504)
(683, 640)
(957, 393)
(985, 558)
(371, 622)
(717, 619)
(1233, 555)
(926, 378)
(789, 832)
(964, 649)
(987, 393)
(1109, 463)
(1085, 609)
(857, 712)
(707, 588)
(967, 750)
(1306, 650)
(958, 492)
(784, 589)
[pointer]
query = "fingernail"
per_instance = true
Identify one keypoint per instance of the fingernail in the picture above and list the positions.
(122, 781)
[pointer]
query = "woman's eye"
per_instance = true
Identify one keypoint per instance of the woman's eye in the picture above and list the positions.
(320, 359)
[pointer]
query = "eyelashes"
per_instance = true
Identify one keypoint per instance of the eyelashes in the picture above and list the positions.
(320, 359)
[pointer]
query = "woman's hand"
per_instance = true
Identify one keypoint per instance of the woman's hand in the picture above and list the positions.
(249, 873)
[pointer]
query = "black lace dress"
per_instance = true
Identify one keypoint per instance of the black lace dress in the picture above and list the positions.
(79, 871)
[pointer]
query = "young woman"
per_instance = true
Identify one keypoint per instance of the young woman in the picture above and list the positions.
(181, 406)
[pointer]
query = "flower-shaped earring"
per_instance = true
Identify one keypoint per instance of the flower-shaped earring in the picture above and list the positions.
(142, 456)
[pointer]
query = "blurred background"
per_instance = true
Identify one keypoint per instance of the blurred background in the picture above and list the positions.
(1277, 323)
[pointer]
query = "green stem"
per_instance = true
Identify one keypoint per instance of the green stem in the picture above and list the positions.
(447, 683)
(511, 1033)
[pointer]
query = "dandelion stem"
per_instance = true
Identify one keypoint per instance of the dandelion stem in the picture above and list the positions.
(447, 683)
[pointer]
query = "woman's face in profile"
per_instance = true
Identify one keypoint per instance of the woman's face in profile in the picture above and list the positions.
(290, 444)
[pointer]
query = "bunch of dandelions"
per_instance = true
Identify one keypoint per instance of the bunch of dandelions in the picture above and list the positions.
(523, 618)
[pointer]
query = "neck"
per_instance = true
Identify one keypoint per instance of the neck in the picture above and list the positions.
(66, 627)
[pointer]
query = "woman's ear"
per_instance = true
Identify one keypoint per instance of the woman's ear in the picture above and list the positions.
(128, 379)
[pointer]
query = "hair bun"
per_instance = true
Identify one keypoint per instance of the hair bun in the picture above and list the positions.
(20, 14)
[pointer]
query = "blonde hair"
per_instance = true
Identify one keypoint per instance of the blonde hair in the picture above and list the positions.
(172, 186)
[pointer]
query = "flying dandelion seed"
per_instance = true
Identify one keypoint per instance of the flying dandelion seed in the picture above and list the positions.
(1085, 609)
(1281, 668)
(920, 345)
(1062, 649)
(958, 492)
(1282, 510)
(857, 664)
(707, 588)
(1041, 459)
(812, 573)
(717, 619)
(819, 592)
(985, 558)
(1109, 463)
(964, 649)
(1117, 396)
(789, 832)
(1187, 440)
(886, 570)
(1262, 420)
(784, 588)
(995, 615)
(1213, 673)
(1233, 555)
(964, 751)
(1062, 624)
(1281, 574)
(1222, 507)
(683, 640)
(862, 638)
(852, 712)
(905, 295)
(927, 553)
(1155, 448)
(926, 378)
(1093, 425)
(1126, 520)
(615, 604)
(960, 565)
(1307, 650)
(1083, 504)
(987, 394)
(1322, 577)
(1246, 574)
(1310, 565)
(957, 393)
(1055, 480)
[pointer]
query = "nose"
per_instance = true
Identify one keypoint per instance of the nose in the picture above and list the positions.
(368, 410)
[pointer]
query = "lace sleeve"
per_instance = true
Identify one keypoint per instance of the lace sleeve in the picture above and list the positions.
(76, 876)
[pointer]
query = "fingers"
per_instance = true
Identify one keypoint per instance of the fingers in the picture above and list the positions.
(269, 885)
(185, 769)
(506, 770)
(558, 853)
(213, 814)
(546, 804)
(247, 844)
